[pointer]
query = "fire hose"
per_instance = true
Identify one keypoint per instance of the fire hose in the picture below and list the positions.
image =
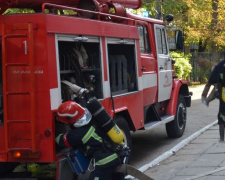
(130, 170)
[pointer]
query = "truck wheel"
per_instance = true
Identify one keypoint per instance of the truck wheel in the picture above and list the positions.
(7, 167)
(175, 128)
(122, 124)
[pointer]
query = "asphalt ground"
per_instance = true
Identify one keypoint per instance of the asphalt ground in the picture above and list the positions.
(203, 158)
(199, 156)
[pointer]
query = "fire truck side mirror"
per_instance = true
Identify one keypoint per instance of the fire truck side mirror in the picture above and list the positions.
(169, 18)
(175, 38)
(179, 40)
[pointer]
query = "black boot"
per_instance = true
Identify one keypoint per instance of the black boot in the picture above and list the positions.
(221, 129)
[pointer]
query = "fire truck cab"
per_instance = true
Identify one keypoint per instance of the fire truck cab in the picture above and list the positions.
(120, 58)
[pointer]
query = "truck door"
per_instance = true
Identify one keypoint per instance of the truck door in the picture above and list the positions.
(148, 64)
(164, 64)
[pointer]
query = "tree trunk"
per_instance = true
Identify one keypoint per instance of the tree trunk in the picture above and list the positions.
(214, 25)
(158, 9)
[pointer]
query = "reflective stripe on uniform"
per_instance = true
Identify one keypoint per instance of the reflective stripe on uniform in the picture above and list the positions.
(222, 116)
(221, 75)
(88, 135)
(96, 137)
(88, 147)
(107, 159)
(96, 178)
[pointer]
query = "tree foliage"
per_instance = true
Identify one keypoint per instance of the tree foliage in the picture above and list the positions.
(18, 10)
(204, 69)
(182, 65)
(202, 21)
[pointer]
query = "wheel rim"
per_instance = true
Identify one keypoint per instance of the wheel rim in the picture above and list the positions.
(181, 114)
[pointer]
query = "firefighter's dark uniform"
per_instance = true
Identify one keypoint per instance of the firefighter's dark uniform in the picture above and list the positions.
(88, 139)
(218, 77)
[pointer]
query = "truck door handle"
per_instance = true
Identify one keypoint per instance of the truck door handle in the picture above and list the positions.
(161, 68)
(122, 41)
(80, 38)
(25, 47)
(143, 69)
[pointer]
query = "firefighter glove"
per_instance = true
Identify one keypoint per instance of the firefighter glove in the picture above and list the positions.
(204, 101)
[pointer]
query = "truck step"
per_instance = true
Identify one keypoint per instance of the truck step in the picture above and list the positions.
(164, 119)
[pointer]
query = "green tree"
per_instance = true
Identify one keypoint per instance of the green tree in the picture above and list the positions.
(18, 10)
(182, 65)
(201, 21)
(204, 69)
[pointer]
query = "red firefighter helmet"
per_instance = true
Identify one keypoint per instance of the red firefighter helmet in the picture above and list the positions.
(69, 112)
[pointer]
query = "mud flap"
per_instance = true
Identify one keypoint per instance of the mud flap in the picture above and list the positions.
(130, 170)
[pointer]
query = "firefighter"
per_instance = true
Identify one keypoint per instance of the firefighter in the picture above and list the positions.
(86, 137)
(217, 78)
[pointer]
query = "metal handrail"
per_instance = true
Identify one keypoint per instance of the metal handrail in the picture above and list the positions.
(99, 14)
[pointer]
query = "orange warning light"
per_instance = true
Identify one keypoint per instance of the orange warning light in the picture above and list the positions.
(16, 154)
(24, 154)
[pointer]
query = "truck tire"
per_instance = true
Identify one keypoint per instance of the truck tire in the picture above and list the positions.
(175, 128)
(7, 167)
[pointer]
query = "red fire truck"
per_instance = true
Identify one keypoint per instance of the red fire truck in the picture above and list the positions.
(120, 58)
